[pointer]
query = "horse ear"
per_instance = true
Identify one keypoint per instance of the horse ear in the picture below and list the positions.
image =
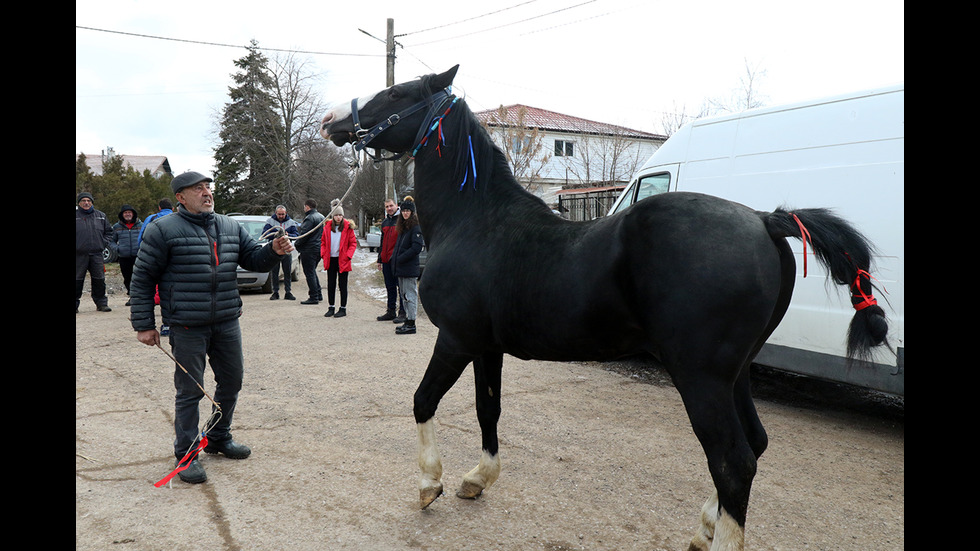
(445, 80)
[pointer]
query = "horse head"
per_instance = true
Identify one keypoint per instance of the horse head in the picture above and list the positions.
(393, 119)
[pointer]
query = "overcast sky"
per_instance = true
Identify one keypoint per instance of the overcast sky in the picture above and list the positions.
(151, 78)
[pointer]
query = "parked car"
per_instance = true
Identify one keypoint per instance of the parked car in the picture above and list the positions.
(249, 281)
(374, 238)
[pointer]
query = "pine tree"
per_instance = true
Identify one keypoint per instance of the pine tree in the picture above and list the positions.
(249, 176)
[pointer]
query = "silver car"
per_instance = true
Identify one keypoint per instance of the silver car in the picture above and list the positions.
(248, 281)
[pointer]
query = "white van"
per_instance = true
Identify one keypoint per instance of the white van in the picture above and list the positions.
(846, 153)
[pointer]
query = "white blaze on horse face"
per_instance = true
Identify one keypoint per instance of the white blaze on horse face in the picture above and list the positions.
(342, 110)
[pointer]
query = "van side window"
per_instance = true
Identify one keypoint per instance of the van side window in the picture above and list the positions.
(652, 185)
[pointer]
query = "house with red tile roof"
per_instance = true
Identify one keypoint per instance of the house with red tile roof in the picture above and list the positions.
(577, 165)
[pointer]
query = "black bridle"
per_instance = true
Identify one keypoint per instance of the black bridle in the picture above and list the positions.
(435, 102)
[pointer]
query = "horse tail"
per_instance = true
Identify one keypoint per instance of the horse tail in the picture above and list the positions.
(846, 254)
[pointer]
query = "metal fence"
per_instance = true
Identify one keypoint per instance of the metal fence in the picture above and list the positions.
(587, 205)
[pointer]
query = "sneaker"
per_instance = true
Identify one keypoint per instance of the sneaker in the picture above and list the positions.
(228, 448)
(194, 473)
(289, 296)
(310, 300)
(341, 312)
(275, 296)
(329, 313)
(407, 329)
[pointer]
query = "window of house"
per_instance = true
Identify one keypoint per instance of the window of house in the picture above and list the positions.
(564, 148)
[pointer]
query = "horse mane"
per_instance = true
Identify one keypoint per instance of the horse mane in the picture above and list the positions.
(467, 147)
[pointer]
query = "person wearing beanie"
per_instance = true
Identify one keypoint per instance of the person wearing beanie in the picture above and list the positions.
(93, 234)
(126, 234)
(192, 256)
(405, 263)
(337, 246)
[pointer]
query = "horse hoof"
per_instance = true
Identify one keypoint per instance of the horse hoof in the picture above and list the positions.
(428, 495)
(469, 490)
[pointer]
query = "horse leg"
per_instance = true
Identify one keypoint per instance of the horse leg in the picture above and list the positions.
(758, 441)
(731, 461)
(442, 373)
(487, 370)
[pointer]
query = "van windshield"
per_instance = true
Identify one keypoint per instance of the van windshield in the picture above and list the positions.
(652, 185)
(643, 188)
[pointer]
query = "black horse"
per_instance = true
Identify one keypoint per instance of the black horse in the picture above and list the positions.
(695, 281)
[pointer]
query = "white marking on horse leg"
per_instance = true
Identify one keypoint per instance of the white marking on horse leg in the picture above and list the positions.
(430, 485)
(706, 532)
(729, 536)
(481, 477)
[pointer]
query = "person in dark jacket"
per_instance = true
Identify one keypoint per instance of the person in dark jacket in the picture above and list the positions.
(193, 256)
(282, 220)
(125, 234)
(405, 263)
(93, 234)
(309, 250)
(389, 235)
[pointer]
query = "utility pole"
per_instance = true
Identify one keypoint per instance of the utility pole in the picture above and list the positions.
(390, 81)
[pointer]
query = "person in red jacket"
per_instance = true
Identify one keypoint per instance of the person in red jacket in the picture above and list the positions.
(337, 246)
(388, 238)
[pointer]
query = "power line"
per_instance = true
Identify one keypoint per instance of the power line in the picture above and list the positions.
(225, 45)
(525, 20)
(470, 18)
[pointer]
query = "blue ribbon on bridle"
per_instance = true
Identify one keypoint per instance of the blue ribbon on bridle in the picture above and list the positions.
(435, 103)
(364, 137)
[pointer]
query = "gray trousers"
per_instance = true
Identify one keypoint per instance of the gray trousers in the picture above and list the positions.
(220, 343)
(408, 290)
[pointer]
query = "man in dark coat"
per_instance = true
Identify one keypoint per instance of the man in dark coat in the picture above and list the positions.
(309, 250)
(193, 256)
(282, 220)
(93, 234)
(388, 237)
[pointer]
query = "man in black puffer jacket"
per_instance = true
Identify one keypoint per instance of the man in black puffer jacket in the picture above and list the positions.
(193, 257)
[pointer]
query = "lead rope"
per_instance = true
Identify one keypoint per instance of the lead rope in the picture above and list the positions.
(202, 441)
(279, 232)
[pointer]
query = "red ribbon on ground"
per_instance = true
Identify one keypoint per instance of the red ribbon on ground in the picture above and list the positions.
(185, 461)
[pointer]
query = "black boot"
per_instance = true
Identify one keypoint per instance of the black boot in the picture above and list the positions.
(407, 329)
(341, 312)
(400, 318)
(387, 316)
(329, 313)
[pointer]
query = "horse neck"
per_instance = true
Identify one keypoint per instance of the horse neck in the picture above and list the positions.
(447, 193)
